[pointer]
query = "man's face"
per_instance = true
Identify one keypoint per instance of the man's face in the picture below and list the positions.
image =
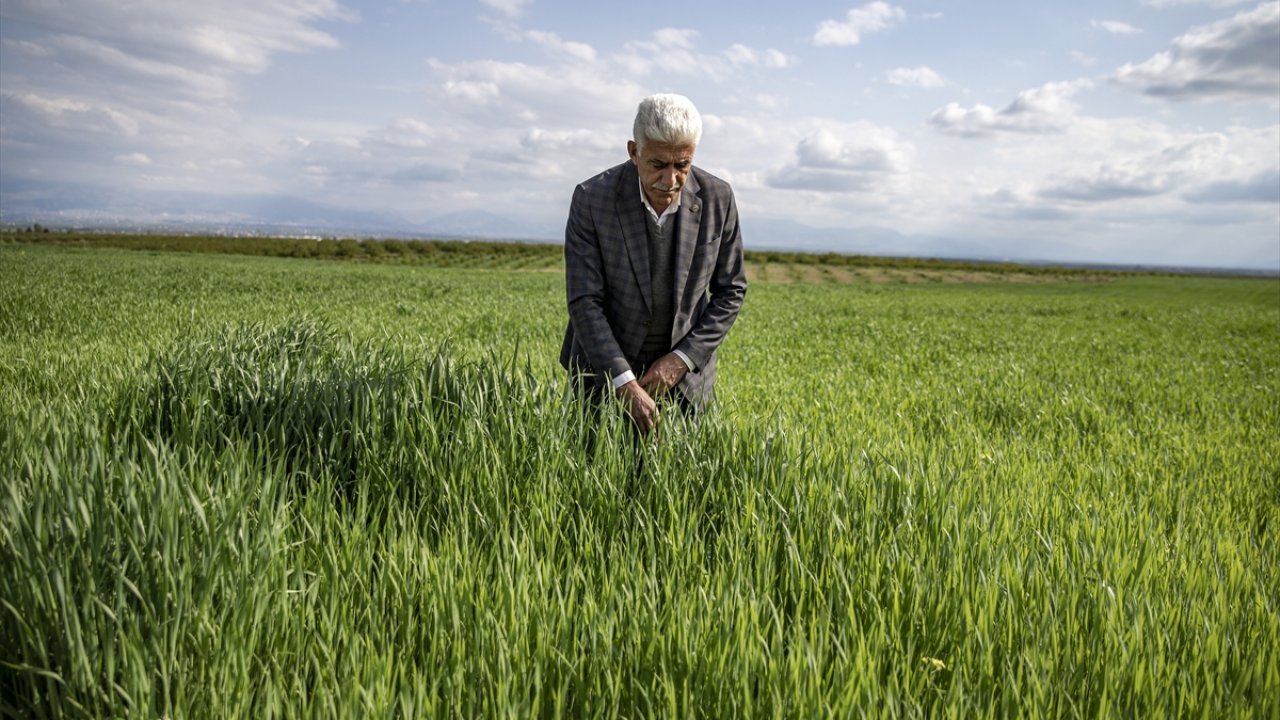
(663, 169)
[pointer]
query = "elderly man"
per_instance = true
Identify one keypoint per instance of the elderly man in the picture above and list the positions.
(653, 269)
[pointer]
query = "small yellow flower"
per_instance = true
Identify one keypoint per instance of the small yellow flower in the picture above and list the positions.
(933, 663)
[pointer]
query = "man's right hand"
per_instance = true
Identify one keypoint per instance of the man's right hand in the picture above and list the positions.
(640, 407)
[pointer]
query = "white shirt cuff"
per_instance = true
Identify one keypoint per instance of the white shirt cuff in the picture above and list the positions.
(628, 376)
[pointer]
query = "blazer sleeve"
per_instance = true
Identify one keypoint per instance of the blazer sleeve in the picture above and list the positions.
(585, 287)
(728, 287)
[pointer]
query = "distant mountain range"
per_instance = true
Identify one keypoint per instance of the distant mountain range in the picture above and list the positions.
(61, 205)
(480, 224)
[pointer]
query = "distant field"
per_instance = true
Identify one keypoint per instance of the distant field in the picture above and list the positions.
(762, 265)
(279, 487)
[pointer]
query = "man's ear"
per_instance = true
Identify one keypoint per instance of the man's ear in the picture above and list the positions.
(632, 151)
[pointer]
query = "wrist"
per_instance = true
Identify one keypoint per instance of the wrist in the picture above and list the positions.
(625, 377)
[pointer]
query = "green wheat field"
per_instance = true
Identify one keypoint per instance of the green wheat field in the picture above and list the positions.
(270, 487)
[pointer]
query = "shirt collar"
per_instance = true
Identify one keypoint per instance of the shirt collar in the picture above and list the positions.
(671, 209)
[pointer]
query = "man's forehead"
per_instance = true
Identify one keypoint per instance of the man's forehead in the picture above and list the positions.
(667, 153)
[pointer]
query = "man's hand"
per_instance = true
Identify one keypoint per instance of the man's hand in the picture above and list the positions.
(639, 406)
(663, 375)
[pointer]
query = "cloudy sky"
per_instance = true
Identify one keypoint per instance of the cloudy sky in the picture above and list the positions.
(1127, 131)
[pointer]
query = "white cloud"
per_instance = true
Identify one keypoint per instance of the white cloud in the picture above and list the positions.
(472, 91)
(230, 36)
(740, 54)
(510, 8)
(560, 141)
(843, 158)
(548, 124)
(129, 70)
(675, 37)
(1050, 99)
(1178, 164)
(60, 112)
(1234, 59)
(1122, 165)
(769, 102)
(671, 50)
(419, 172)
(1120, 190)
(674, 51)
(919, 76)
(1174, 3)
(374, 167)
(872, 17)
(52, 106)
(521, 94)
(777, 59)
(95, 85)
(1039, 110)
(551, 41)
(407, 133)
(136, 159)
(864, 148)
(24, 47)
(1110, 181)
(1082, 59)
(539, 128)
(1115, 27)
(165, 71)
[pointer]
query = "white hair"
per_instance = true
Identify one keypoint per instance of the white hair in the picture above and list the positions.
(667, 118)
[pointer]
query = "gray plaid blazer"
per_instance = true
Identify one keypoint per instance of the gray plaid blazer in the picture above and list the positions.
(607, 278)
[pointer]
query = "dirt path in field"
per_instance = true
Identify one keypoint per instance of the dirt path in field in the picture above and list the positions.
(832, 274)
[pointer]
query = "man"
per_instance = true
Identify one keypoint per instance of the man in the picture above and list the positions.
(653, 269)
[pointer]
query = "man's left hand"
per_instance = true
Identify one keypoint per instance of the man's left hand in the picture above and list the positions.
(663, 374)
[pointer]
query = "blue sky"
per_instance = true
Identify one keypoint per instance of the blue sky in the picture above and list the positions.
(1145, 131)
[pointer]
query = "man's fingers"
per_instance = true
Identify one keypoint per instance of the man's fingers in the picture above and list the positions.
(667, 371)
(645, 417)
(655, 387)
(652, 383)
(639, 406)
(650, 424)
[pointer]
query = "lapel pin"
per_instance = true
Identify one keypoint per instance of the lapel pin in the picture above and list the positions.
(696, 207)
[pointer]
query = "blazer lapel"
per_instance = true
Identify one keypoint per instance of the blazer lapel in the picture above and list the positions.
(688, 220)
(634, 234)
